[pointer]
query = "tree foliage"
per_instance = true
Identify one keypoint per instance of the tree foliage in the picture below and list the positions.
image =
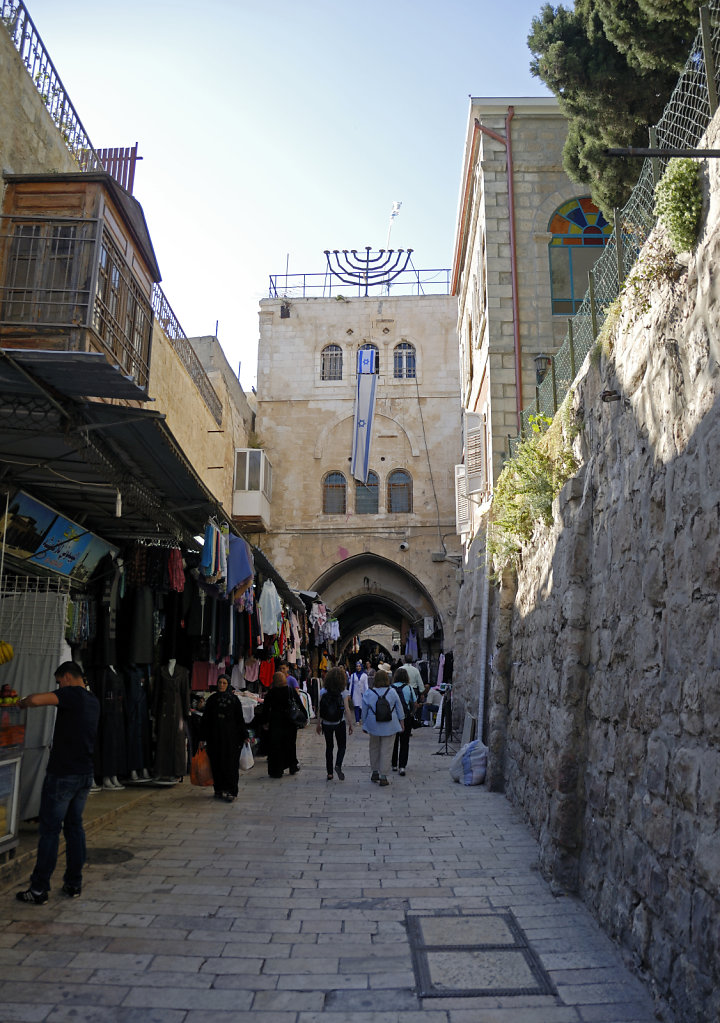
(612, 65)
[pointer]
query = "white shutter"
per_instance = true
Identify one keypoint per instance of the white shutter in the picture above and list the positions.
(475, 461)
(462, 505)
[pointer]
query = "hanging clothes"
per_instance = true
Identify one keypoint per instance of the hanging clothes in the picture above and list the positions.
(270, 608)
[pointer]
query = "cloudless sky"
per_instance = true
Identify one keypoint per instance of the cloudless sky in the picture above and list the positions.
(271, 131)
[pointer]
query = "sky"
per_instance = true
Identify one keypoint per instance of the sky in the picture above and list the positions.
(270, 132)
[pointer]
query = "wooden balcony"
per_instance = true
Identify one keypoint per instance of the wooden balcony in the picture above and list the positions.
(76, 270)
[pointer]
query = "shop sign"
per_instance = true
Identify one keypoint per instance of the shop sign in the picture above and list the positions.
(36, 533)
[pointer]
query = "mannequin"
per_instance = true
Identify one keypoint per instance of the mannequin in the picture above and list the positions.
(171, 711)
(111, 782)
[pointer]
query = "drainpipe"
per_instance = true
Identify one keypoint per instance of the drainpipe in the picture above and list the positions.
(483, 641)
(507, 142)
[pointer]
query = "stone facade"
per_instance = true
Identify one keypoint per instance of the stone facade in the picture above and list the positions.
(377, 567)
(30, 143)
(487, 321)
(605, 679)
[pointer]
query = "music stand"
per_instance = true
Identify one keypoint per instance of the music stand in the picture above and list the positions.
(446, 726)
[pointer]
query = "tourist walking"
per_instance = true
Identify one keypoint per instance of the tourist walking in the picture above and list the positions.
(280, 726)
(223, 730)
(68, 779)
(358, 685)
(382, 719)
(334, 714)
(401, 745)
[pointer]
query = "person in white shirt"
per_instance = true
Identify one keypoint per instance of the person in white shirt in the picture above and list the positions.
(357, 684)
(414, 677)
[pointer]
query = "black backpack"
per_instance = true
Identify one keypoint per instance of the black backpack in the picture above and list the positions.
(331, 708)
(383, 710)
(399, 690)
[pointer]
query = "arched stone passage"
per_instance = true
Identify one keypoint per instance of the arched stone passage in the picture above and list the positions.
(368, 590)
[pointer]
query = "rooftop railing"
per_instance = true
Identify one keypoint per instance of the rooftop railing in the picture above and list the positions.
(29, 45)
(327, 285)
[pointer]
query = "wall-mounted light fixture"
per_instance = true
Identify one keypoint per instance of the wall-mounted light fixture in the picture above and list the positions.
(542, 365)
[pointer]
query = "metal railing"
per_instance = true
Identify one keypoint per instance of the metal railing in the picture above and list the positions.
(327, 285)
(682, 125)
(177, 337)
(26, 40)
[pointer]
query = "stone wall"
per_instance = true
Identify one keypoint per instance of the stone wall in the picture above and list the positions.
(30, 143)
(604, 710)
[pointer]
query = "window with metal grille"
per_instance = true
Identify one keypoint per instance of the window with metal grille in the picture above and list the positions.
(399, 491)
(369, 347)
(579, 234)
(404, 360)
(331, 363)
(47, 275)
(367, 495)
(334, 494)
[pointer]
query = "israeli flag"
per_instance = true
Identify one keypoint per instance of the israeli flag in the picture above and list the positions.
(364, 412)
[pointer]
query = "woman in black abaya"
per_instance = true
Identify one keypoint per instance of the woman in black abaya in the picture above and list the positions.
(279, 727)
(224, 731)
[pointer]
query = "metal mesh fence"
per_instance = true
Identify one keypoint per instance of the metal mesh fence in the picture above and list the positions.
(682, 125)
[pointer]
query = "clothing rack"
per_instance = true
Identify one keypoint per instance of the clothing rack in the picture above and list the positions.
(18, 585)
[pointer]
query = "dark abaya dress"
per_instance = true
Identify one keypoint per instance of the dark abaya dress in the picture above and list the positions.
(224, 731)
(281, 731)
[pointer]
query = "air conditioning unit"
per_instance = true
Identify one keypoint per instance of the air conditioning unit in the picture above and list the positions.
(462, 505)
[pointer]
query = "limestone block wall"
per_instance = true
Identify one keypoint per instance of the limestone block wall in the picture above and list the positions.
(305, 426)
(30, 143)
(604, 715)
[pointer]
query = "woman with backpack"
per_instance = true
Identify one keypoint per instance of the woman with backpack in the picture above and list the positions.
(333, 715)
(401, 747)
(382, 718)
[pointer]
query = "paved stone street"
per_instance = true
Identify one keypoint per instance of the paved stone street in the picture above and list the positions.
(416, 903)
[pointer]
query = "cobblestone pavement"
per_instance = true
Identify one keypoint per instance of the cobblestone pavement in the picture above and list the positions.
(310, 899)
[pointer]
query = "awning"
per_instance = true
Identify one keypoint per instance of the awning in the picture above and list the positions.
(86, 374)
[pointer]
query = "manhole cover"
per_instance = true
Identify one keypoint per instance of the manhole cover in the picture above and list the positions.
(484, 954)
(108, 855)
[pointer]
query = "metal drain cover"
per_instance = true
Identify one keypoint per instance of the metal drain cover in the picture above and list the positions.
(483, 954)
(100, 856)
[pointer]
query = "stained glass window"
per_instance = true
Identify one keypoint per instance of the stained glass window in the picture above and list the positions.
(579, 233)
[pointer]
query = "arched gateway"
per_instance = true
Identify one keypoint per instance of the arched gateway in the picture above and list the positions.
(368, 590)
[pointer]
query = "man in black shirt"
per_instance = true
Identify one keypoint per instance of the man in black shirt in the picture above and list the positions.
(68, 779)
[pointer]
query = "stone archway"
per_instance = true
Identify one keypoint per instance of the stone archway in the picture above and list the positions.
(368, 590)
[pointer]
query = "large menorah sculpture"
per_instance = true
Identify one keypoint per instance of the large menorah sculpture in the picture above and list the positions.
(367, 271)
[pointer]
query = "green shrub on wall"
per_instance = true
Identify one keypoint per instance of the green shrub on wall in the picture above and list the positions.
(678, 202)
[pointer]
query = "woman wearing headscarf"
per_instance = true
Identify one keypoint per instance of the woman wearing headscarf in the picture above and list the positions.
(279, 726)
(224, 731)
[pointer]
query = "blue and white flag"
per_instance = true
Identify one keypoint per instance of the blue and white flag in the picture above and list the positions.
(364, 412)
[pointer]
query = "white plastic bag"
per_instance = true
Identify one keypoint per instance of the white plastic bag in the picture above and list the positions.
(470, 764)
(246, 758)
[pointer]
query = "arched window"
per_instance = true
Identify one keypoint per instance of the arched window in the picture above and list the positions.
(334, 494)
(369, 347)
(399, 491)
(331, 368)
(367, 495)
(579, 233)
(404, 360)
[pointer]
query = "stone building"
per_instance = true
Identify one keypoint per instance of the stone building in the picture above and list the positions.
(526, 237)
(384, 552)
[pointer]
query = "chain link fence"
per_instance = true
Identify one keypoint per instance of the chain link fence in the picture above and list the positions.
(682, 125)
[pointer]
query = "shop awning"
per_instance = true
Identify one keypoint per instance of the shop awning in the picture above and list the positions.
(78, 457)
(86, 374)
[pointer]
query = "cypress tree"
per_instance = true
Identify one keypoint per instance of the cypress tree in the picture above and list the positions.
(612, 64)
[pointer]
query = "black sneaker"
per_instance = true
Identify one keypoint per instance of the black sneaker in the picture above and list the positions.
(71, 891)
(36, 898)
(339, 773)
(375, 776)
